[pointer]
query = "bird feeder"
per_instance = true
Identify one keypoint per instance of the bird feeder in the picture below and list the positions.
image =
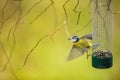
(102, 34)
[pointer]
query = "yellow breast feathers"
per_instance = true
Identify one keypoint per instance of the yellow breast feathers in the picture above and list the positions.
(83, 43)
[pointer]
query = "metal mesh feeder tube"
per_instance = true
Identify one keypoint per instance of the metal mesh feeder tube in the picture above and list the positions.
(102, 34)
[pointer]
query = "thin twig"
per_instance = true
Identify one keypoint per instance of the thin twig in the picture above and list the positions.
(65, 10)
(31, 8)
(55, 20)
(66, 20)
(21, 17)
(83, 27)
(89, 3)
(42, 12)
(16, 23)
(108, 9)
(2, 14)
(5, 20)
(34, 47)
(11, 52)
(66, 29)
(55, 15)
(78, 12)
(12, 70)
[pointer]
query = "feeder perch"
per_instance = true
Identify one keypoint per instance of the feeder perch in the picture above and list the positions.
(102, 29)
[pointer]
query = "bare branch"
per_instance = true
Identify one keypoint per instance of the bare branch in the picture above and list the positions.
(2, 24)
(11, 52)
(12, 70)
(42, 12)
(89, 3)
(78, 12)
(31, 8)
(108, 9)
(20, 17)
(66, 20)
(65, 10)
(83, 27)
(55, 15)
(34, 47)
(16, 23)
(15, 27)
(2, 14)
(66, 29)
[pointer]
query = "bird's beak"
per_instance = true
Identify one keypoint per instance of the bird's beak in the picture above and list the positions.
(69, 38)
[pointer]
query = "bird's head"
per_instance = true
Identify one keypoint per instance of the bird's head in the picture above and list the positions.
(74, 39)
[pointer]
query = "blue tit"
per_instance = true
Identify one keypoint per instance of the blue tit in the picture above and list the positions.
(80, 46)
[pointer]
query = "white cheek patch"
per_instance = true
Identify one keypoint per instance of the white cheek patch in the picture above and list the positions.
(73, 40)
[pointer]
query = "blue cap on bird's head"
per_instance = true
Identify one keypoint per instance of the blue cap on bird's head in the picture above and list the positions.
(74, 39)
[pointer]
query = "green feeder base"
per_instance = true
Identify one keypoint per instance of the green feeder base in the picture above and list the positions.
(102, 59)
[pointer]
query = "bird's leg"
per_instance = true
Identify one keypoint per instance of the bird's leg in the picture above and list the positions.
(86, 50)
(87, 54)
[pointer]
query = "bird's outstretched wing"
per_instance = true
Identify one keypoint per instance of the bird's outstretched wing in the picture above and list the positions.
(87, 36)
(75, 52)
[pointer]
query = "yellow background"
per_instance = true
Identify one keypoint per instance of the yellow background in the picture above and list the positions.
(48, 59)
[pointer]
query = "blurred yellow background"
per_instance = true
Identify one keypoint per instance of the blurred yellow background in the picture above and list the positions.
(48, 59)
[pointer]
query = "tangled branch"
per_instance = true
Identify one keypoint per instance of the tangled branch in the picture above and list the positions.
(12, 70)
(21, 17)
(16, 23)
(11, 53)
